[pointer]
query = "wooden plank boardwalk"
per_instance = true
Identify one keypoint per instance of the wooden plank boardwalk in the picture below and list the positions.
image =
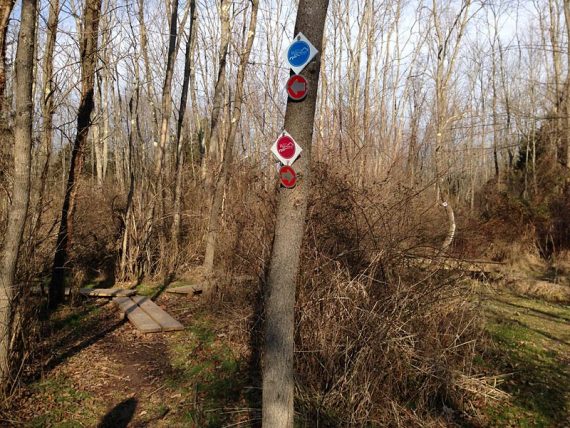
(184, 289)
(136, 315)
(106, 292)
(166, 322)
(102, 292)
(146, 315)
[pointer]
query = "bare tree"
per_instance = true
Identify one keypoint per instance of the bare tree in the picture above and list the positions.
(166, 108)
(166, 111)
(212, 139)
(567, 18)
(101, 126)
(278, 371)
(18, 210)
(188, 70)
(448, 41)
(220, 186)
(148, 72)
(89, 38)
(554, 33)
(47, 104)
(6, 7)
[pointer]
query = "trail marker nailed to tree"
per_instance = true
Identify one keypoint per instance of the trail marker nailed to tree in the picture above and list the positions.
(286, 149)
(288, 176)
(297, 87)
(300, 53)
(278, 355)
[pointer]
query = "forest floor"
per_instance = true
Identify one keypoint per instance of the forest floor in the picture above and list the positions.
(531, 348)
(102, 372)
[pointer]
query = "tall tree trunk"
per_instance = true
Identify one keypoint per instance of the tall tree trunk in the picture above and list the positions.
(188, 66)
(370, 42)
(278, 355)
(166, 109)
(212, 138)
(495, 122)
(6, 7)
(197, 127)
(567, 17)
(104, 89)
(126, 269)
(89, 37)
(220, 186)
(447, 52)
(21, 180)
(133, 107)
(47, 104)
(148, 72)
(507, 101)
(157, 205)
(554, 32)
(417, 101)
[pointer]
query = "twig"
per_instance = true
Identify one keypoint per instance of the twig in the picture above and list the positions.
(156, 390)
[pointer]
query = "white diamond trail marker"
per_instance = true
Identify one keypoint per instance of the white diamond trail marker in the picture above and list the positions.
(300, 53)
(286, 149)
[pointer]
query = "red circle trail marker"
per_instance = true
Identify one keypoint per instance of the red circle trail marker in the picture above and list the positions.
(286, 149)
(297, 88)
(288, 177)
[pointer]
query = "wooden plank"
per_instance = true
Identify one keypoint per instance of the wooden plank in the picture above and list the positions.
(124, 303)
(140, 319)
(185, 289)
(106, 292)
(157, 314)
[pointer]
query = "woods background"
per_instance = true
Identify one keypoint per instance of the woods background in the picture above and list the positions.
(441, 127)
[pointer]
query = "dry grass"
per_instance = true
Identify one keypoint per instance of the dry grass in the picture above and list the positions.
(545, 290)
(379, 340)
(367, 347)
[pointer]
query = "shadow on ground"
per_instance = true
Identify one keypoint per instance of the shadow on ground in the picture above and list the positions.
(120, 415)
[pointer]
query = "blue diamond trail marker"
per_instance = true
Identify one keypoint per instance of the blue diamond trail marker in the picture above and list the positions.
(300, 53)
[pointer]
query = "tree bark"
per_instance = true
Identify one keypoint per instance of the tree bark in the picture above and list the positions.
(369, 8)
(92, 10)
(554, 32)
(126, 268)
(447, 53)
(167, 94)
(157, 204)
(188, 66)
(148, 72)
(567, 18)
(212, 139)
(18, 210)
(102, 128)
(47, 105)
(6, 7)
(220, 186)
(278, 355)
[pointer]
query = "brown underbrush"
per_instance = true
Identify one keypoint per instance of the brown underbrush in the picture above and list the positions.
(380, 338)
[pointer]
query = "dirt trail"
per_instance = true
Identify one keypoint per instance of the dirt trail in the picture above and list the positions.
(105, 373)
